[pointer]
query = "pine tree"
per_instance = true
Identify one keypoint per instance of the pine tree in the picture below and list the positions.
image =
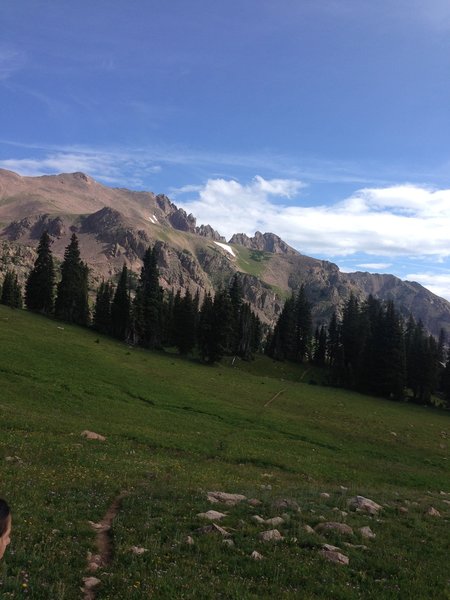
(120, 307)
(303, 326)
(205, 333)
(282, 344)
(102, 310)
(244, 347)
(40, 284)
(184, 315)
(320, 346)
(72, 303)
(11, 291)
(148, 304)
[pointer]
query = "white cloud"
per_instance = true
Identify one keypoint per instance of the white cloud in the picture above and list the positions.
(438, 283)
(404, 220)
(374, 266)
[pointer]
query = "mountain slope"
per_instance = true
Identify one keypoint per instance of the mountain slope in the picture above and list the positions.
(116, 225)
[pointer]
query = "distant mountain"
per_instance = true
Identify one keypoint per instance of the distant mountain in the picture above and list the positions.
(116, 225)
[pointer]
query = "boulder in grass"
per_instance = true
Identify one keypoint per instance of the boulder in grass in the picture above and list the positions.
(330, 548)
(286, 504)
(91, 435)
(272, 535)
(254, 502)
(258, 520)
(212, 529)
(212, 515)
(335, 557)
(367, 533)
(432, 512)
(256, 555)
(275, 521)
(341, 528)
(364, 505)
(225, 498)
(308, 529)
(90, 582)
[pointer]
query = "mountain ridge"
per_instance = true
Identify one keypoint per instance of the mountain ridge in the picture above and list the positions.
(116, 225)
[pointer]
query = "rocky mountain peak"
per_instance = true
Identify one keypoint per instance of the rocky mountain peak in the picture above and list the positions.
(265, 242)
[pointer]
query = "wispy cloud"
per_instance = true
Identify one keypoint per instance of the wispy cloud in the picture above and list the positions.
(374, 266)
(108, 167)
(11, 60)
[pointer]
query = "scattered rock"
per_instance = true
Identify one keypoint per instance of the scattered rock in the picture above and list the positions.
(94, 561)
(90, 582)
(335, 557)
(258, 519)
(189, 541)
(356, 546)
(254, 502)
(275, 521)
(212, 529)
(367, 533)
(272, 535)
(330, 548)
(343, 488)
(228, 542)
(212, 515)
(403, 509)
(325, 495)
(138, 550)
(256, 555)
(308, 529)
(99, 526)
(91, 435)
(441, 493)
(266, 487)
(286, 503)
(225, 498)
(13, 459)
(364, 505)
(432, 512)
(341, 528)
(446, 501)
(268, 475)
(393, 433)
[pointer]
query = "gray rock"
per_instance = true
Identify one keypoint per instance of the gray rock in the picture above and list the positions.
(341, 528)
(364, 505)
(335, 557)
(272, 535)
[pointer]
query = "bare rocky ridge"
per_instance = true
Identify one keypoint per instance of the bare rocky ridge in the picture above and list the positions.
(117, 225)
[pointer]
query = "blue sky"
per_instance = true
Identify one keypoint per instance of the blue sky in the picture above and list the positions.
(324, 121)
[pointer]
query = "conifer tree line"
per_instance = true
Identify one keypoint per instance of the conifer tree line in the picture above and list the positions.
(369, 349)
(151, 318)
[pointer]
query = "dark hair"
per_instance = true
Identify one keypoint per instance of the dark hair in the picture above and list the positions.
(4, 514)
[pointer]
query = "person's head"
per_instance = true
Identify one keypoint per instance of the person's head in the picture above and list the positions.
(5, 526)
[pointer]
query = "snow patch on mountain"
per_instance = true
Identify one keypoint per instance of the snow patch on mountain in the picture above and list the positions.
(226, 247)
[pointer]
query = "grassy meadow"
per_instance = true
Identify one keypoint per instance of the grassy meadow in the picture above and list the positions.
(175, 430)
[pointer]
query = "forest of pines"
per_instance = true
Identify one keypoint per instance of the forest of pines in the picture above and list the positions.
(368, 348)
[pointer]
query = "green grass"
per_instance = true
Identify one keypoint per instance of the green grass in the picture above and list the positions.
(176, 429)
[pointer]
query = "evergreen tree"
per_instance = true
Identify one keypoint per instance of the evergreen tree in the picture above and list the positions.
(11, 291)
(282, 344)
(320, 346)
(353, 340)
(40, 284)
(120, 307)
(236, 303)
(72, 303)
(303, 325)
(391, 356)
(184, 323)
(257, 333)
(245, 332)
(205, 334)
(102, 310)
(148, 304)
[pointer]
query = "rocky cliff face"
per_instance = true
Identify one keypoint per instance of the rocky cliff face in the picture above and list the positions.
(117, 225)
(264, 242)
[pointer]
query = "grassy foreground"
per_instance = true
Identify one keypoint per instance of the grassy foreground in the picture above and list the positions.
(175, 430)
